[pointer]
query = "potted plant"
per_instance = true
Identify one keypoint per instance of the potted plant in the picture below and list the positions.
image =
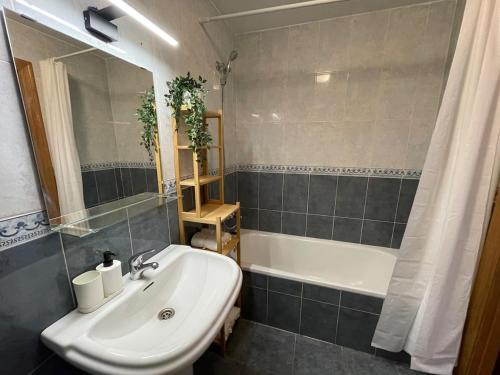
(146, 114)
(185, 93)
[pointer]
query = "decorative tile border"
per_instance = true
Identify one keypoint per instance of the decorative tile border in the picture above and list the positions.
(20, 229)
(117, 164)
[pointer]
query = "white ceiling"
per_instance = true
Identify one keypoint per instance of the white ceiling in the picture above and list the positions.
(301, 15)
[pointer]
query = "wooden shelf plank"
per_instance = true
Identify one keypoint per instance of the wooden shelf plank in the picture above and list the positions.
(203, 180)
(186, 147)
(210, 212)
(230, 246)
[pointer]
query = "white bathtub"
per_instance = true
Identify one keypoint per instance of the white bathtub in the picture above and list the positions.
(341, 265)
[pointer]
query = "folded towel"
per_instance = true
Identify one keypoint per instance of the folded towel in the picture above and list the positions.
(206, 239)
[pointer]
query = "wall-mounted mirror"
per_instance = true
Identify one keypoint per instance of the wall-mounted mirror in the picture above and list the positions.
(83, 109)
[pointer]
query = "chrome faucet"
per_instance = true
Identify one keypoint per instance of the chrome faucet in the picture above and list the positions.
(137, 266)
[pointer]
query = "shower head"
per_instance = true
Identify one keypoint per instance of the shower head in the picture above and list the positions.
(225, 69)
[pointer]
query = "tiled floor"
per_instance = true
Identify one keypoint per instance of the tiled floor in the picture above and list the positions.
(256, 349)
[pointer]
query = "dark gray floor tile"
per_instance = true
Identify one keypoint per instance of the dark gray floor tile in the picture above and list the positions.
(89, 189)
(84, 254)
(230, 188)
(249, 218)
(319, 226)
(254, 304)
(211, 363)
(106, 185)
(57, 365)
(366, 364)
(313, 357)
(319, 320)
(254, 279)
(126, 180)
(283, 311)
(355, 329)
(138, 176)
(248, 189)
(377, 233)
(406, 197)
(34, 293)
(348, 230)
(404, 370)
(382, 198)
(152, 180)
(262, 348)
(401, 356)
(270, 221)
(278, 284)
(295, 192)
(351, 193)
(293, 224)
(271, 191)
(397, 235)
(149, 226)
(321, 293)
(173, 221)
(361, 302)
(322, 190)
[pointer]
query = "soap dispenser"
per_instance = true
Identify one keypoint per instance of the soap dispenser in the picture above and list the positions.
(111, 271)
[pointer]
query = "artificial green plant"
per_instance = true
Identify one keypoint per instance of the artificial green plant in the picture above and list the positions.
(146, 114)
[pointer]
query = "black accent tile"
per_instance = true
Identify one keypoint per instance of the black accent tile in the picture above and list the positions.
(138, 176)
(283, 311)
(119, 184)
(249, 218)
(173, 222)
(271, 191)
(34, 293)
(351, 193)
(265, 350)
(359, 363)
(356, 329)
(313, 357)
(230, 188)
(106, 185)
(277, 284)
(319, 226)
(295, 192)
(382, 198)
(397, 236)
(254, 304)
(57, 365)
(89, 189)
(377, 233)
(126, 182)
(152, 180)
(361, 302)
(321, 293)
(319, 320)
(322, 190)
(254, 279)
(270, 221)
(84, 254)
(401, 356)
(149, 226)
(293, 224)
(406, 197)
(248, 189)
(348, 230)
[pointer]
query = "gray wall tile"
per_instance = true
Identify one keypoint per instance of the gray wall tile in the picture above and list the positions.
(271, 191)
(397, 235)
(319, 226)
(270, 221)
(295, 192)
(278, 284)
(126, 180)
(254, 304)
(382, 198)
(90, 195)
(173, 221)
(248, 189)
(351, 193)
(406, 197)
(319, 320)
(152, 180)
(119, 184)
(377, 233)
(149, 227)
(254, 279)
(348, 230)
(355, 329)
(361, 302)
(283, 311)
(249, 218)
(230, 188)
(139, 184)
(106, 185)
(322, 189)
(293, 223)
(321, 293)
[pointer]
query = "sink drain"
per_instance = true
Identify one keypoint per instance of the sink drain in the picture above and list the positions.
(166, 313)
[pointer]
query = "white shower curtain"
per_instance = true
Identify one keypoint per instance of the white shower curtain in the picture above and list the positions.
(427, 299)
(60, 136)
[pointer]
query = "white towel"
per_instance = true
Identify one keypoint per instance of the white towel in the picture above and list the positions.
(206, 239)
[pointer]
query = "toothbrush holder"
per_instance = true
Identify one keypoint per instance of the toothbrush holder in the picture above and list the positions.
(89, 291)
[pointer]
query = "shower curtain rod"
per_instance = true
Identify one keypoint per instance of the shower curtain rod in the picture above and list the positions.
(277, 8)
(75, 53)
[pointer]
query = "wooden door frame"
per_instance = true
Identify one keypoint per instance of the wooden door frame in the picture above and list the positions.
(36, 126)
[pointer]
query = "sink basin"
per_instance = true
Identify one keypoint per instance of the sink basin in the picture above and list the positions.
(158, 325)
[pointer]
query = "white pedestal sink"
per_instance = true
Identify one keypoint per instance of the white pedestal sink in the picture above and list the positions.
(130, 335)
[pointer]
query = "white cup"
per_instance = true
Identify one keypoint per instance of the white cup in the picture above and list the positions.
(89, 291)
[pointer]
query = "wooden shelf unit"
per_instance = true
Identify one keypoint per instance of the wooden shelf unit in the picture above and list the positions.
(207, 211)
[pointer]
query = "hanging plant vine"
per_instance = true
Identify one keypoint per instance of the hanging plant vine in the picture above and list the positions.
(186, 92)
(146, 114)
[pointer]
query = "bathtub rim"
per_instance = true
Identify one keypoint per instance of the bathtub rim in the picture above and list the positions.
(300, 278)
